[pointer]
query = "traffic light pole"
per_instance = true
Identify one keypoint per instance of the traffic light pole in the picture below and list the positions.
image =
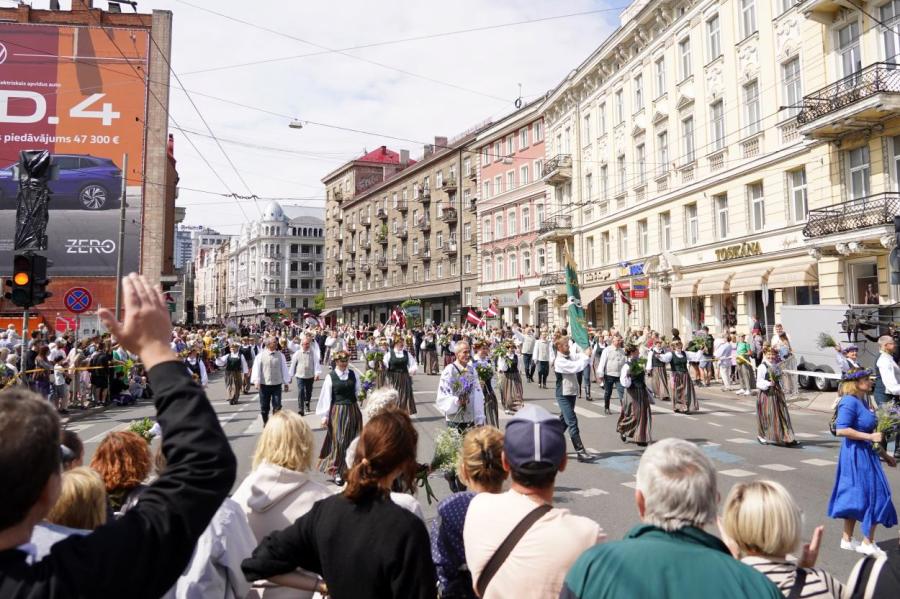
(24, 342)
(121, 248)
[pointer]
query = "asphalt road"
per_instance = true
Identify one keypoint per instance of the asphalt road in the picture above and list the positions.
(603, 490)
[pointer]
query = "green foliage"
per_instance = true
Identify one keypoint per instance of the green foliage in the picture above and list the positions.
(319, 301)
(142, 427)
(446, 450)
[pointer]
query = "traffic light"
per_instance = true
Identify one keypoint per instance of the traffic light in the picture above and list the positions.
(28, 286)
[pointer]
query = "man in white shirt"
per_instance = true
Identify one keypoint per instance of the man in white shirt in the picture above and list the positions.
(887, 380)
(462, 409)
(528, 341)
(534, 451)
(611, 361)
(270, 372)
(306, 367)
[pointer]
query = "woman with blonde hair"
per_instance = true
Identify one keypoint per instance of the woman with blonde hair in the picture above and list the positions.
(80, 508)
(123, 461)
(279, 490)
(761, 524)
(481, 470)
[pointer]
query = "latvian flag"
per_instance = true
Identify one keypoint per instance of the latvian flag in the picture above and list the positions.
(492, 311)
(625, 299)
(311, 320)
(398, 317)
(474, 318)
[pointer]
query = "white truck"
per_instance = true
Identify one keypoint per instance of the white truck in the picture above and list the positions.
(859, 324)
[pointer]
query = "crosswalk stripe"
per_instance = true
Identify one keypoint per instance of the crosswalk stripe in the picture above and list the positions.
(777, 467)
(737, 473)
(723, 406)
(587, 413)
(741, 440)
(819, 462)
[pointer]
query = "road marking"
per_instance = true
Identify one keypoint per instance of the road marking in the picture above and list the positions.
(710, 444)
(723, 406)
(254, 428)
(741, 440)
(737, 430)
(714, 424)
(721, 414)
(806, 436)
(737, 473)
(589, 492)
(100, 436)
(777, 467)
(631, 485)
(819, 462)
(689, 417)
(587, 413)
(77, 427)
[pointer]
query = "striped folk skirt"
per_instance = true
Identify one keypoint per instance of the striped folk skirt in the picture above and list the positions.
(449, 359)
(684, 398)
(773, 421)
(402, 382)
(344, 425)
(234, 380)
(659, 383)
(430, 359)
(380, 377)
(635, 420)
(491, 410)
(511, 391)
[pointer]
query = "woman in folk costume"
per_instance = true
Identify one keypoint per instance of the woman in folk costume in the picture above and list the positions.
(429, 352)
(684, 396)
(511, 391)
(659, 381)
(195, 367)
(635, 419)
(772, 416)
(377, 363)
(332, 344)
(401, 365)
(446, 343)
(487, 376)
(339, 408)
(235, 368)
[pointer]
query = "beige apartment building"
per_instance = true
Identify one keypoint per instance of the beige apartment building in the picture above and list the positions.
(684, 180)
(398, 229)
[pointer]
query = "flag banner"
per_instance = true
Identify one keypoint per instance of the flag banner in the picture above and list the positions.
(492, 310)
(474, 318)
(577, 324)
(623, 294)
(640, 288)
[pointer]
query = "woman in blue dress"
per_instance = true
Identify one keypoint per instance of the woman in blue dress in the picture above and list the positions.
(861, 490)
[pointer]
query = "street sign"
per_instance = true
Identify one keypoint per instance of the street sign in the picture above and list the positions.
(65, 323)
(78, 300)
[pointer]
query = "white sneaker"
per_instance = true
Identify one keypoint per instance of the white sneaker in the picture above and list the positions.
(870, 549)
(851, 545)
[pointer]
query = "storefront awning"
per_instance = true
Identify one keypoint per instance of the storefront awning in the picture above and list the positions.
(715, 283)
(750, 279)
(686, 287)
(325, 313)
(590, 294)
(794, 274)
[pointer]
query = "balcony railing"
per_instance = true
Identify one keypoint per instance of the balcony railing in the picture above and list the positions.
(449, 184)
(402, 206)
(351, 270)
(425, 254)
(365, 267)
(424, 223)
(381, 214)
(558, 169)
(875, 78)
(381, 238)
(338, 195)
(449, 247)
(382, 262)
(402, 259)
(473, 205)
(366, 245)
(556, 227)
(449, 215)
(366, 221)
(553, 278)
(403, 233)
(351, 227)
(339, 217)
(424, 195)
(473, 173)
(861, 213)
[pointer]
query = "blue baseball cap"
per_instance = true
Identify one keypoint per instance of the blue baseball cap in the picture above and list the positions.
(535, 441)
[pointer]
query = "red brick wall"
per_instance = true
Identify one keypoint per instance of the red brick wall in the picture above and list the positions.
(103, 289)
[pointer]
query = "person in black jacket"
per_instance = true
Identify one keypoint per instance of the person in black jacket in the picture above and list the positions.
(143, 553)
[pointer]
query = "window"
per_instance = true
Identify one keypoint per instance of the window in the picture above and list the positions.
(513, 266)
(604, 182)
(589, 252)
(785, 5)
(526, 220)
(641, 154)
(662, 153)
(791, 86)
(538, 169)
(684, 57)
(523, 175)
(486, 187)
(717, 124)
(757, 206)
(541, 260)
(499, 270)
(660, 68)
(859, 172)
(623, 243)
(538, 215)
(498, 226)
(440, 270)
(751, 107)
(511, 222)
(498, 185)
(799, 204)
(848, 49)
(748, 17)
(467, 167)
(665, 231)
(537, 130)
(510, 145)
(438, 179)
(510, 180)
(523, 138)
(721, 204)
(601, 119)
(643, 238)
(620, 107)
(638, 93)
(415, 274)
(498, 151)
(622, 173)
(687, 136)
(588, 187)
(889, 35)
(415, 246)
(714, 37)
(604, 248)
(488, 269)
(485, 156)
(586, 129)
(486, 229)
(692, 224)
(467, 231)
(467, 264)
(526, 263)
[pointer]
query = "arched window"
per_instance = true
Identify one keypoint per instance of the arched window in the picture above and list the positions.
(541, 261)
(513, 271)
(499, 263)
(498, 229)
(488, 270)
(526, 263)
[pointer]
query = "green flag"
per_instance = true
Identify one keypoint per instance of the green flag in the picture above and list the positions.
(577, 324)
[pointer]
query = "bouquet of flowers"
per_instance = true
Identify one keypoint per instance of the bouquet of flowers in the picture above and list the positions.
(376, 357)
(367, 383)
(888, 415)
(485, 372)
(443, 340)
(696, 344)
(142, 427)
(637, 366)
(824, 340)
(446, 451)
(462, 387)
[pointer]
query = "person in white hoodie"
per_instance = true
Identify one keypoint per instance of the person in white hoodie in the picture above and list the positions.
(279, 490)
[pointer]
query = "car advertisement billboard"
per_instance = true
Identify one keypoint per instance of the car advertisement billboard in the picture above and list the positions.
(81, 93)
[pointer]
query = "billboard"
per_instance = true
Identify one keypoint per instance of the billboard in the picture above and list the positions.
(70, 90)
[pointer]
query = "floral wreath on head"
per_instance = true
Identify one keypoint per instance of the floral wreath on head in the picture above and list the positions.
(856, 374)
(340, 356)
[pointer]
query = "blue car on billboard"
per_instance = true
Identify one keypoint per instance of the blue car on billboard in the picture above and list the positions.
(84, 181)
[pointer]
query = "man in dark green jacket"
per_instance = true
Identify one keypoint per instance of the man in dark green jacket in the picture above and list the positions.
(669, 554)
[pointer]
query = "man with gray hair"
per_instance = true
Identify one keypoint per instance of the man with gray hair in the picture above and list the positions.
(668, 554)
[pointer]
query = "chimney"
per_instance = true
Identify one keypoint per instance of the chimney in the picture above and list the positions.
(404, 158)
(429, 150)
(440, 143)
(384, 150)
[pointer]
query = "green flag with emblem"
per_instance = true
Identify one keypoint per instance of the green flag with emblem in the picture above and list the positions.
(577, 324)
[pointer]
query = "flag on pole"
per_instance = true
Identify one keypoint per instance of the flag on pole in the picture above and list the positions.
(474, 318)
(625, 299)
(577, 323)
(519, 291)
(492, 310)
(398, 317)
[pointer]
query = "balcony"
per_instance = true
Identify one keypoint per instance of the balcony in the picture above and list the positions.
(402, 233)
(558, 170)
(449, 185)
(424, 195)
(338, 196)
(876, 210)
(350, 228)
(352, 250)
(339, 276)
(381, 238)
(556, 228)
(366, 221)
(473, 205)
(365, 267)
(425, 254)
(553, 278)
(823, 11)
(402, 206)
(402, 260)
(339, 216)
(382, 263)
(351, 270)
(381, 214)
(424, 224)
(340, 258)
(449, 215)
(857, 102)
(366, 245)
(449, 248)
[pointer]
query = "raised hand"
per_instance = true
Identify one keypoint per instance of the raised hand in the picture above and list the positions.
(811, 549)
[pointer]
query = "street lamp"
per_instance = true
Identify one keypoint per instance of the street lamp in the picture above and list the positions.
(296, 124)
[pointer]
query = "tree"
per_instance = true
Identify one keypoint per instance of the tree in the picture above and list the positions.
(319, 301)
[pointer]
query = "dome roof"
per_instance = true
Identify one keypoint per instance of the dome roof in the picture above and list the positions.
(273, 212)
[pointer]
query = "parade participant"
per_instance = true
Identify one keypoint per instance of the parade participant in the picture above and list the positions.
(610, 368)
(847, 357)
(887, 380)
(401, 365)
(486, 376)
(569, 364)
(542, 359)
(196, 367)
(511, 391)
(861, 491)
(659, 381)
(745, 365)
(248, 352)
(306, 367)
(332, 344)
(528, 343)
(723, 355)
(635, 419)
(772, 416)
(429, 353)
(339, 408)
(459, 396)
(377, 365)
(235, 370)
(684, 396)
(445, 347)
(269, 374)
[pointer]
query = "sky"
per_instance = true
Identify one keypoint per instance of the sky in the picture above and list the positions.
(410, 90)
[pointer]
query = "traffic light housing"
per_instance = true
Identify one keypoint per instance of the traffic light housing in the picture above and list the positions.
(28, 286)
